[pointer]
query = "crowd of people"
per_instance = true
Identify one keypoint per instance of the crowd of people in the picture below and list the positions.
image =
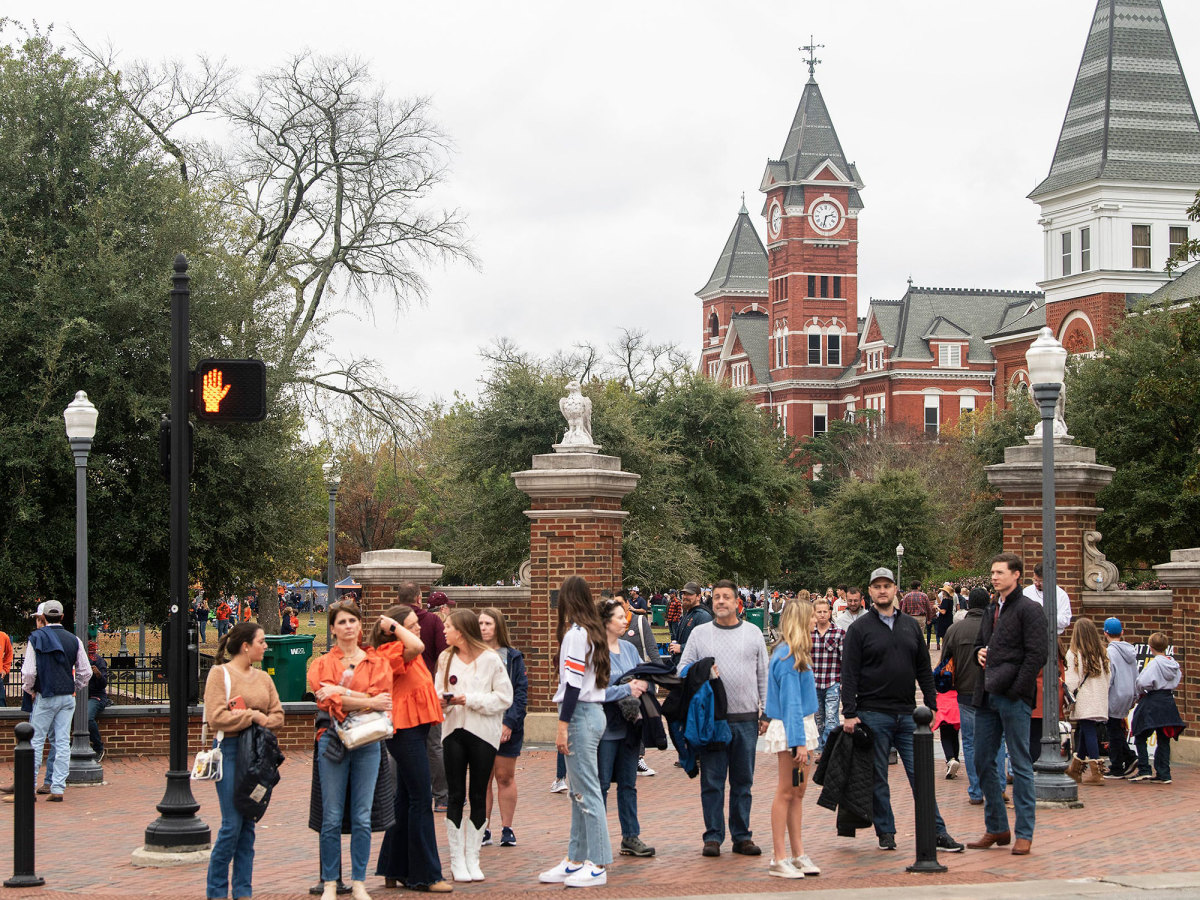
(422, 712)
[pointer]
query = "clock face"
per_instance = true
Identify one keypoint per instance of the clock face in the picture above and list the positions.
(825, 216)
(776, 219)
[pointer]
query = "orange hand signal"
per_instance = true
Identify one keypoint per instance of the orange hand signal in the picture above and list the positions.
(213, 391)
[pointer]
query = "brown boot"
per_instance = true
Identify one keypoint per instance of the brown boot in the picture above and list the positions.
(1075, 768)
(1022, 847)
(989, 839)
(1094, 774)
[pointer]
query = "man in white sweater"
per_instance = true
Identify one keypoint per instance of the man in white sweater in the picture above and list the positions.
(741, 662)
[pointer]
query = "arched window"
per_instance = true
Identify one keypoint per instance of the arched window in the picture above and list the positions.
(714, 325)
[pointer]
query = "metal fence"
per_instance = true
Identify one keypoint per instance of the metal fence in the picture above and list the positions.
(132, 679)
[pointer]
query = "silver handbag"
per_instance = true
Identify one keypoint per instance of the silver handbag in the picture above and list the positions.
(359, 729)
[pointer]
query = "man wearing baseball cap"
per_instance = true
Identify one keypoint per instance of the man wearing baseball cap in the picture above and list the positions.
(57, 661)
(884, 656)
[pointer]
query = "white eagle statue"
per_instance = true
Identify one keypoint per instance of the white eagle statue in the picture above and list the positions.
(577, 410)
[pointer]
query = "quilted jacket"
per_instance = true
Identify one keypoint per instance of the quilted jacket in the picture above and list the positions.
(846, 774)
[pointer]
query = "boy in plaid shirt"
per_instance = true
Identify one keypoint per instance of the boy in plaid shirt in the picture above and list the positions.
(827, 641)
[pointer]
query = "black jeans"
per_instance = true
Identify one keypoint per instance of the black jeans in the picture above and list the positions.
(949, 736)
(463, 753)
(1119, 754)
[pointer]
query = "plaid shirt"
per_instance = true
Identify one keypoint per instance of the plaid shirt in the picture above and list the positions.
(674, 610)
(917, 603)
(827, 656)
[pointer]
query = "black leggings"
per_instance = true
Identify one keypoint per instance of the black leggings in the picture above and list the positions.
(949, 735)
(463, 751)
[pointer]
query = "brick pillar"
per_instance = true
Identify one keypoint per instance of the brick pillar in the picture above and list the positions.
(576, 524)
(381, 572)
(1077, 480)
(1182, 575)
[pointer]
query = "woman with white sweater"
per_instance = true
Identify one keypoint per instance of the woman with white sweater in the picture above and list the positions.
(475, 691)
(1087, 673)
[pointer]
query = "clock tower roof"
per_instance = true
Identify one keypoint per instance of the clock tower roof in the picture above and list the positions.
(1131, 115)
(742, 266)
(811, 143)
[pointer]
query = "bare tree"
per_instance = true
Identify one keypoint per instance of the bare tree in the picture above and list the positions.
(646, 367)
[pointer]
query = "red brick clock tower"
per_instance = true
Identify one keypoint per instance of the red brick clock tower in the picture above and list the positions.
(811, 210)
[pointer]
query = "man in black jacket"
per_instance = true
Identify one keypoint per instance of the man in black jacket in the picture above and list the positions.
(1011, 648)
(884, 655)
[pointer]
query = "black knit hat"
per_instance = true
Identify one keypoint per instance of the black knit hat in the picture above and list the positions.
(979, 598)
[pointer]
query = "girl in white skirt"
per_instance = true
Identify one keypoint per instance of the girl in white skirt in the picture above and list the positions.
(792, 736)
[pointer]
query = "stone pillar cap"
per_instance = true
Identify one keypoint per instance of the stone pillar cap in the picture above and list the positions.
(396, 566)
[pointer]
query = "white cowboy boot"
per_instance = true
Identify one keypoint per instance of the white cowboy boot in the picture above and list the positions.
(458, 860)
(472, 841)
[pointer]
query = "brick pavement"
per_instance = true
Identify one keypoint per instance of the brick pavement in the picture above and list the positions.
(84, 844)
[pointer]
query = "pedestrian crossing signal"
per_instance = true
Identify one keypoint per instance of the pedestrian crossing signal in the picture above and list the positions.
(230, 390)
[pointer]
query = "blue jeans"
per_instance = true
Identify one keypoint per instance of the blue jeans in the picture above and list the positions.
(619, 761)
(202, 627)
(828, 704)
(891, 730)
(966, 730)
(95, 704)
(359, 768)
(223, 625)
(409, 851)
(736, 762)
(1007, 720)
(235, 840)
(1087, 744)
(52, 716)
(589, 824)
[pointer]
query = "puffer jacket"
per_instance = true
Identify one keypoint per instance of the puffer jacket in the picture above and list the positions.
(847, 776)
(1091, 693)
(259, 759)
(1016, 649)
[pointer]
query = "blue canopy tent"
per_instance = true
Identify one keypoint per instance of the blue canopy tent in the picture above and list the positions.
(319, 590)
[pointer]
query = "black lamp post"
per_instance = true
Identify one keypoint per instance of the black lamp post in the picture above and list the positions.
(80, 417)
(332, 482)
(1047, 362)
(899, 560)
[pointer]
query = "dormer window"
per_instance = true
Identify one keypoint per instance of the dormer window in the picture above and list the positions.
(950, 356)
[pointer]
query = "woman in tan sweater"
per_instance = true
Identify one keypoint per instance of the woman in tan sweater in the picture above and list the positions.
(248, 698)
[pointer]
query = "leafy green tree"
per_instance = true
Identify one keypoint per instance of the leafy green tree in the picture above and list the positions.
(863, 522)
(91, 216)
(1138, 404)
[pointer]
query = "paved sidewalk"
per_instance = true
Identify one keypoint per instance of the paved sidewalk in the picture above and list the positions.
(84, 844)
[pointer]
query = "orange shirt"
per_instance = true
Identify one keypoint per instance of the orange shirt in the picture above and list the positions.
(6, 654)
(371, 676)
(414, 699)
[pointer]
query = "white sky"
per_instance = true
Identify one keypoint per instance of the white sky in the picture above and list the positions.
(602, 149)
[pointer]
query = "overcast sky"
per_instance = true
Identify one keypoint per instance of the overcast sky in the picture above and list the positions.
(601, 150)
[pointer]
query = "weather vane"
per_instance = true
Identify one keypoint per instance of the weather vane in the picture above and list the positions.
(811, 48)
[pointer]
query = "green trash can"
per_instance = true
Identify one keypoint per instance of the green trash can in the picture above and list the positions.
(286, 661)
(755, 615)
(658, 615)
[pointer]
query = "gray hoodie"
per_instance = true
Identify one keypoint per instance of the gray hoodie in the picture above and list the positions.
(1122, 691)
(1160, 674)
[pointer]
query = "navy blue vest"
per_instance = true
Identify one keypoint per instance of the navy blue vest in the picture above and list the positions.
(57, 650)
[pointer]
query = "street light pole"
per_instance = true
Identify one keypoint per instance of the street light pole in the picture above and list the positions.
(80, 417)
(332, 483)
(899, 560)
(1047, 361)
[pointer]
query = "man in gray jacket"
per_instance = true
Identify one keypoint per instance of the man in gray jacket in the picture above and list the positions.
(1122, 661)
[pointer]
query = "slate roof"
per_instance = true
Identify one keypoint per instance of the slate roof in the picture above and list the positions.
(810, 141)
(1131, 115)
(753, 329)
(906, 324)
(1185, 287)
(742, 267)
(1032, 320)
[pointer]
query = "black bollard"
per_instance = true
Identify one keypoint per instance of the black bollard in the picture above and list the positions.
(23, 802)
(924, 797)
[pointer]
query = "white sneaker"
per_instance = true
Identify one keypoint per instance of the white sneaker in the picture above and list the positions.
(560, 873)
(643, 769)
(559, 786)
(806, 865)
(952, 767)
(784, 869)
(588, 876)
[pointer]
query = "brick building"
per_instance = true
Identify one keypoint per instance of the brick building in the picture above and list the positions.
(781, 320)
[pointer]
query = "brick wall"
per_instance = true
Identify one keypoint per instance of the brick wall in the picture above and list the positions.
(144, 730)
(1185, 634)
(1023, 533)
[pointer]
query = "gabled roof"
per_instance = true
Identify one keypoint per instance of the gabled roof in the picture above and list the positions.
(1131, 115)
(811, 141)
(1179, 290)
(753, 330)
(1030, 321)
(943, 328)
(908, 323)
(742, 266)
